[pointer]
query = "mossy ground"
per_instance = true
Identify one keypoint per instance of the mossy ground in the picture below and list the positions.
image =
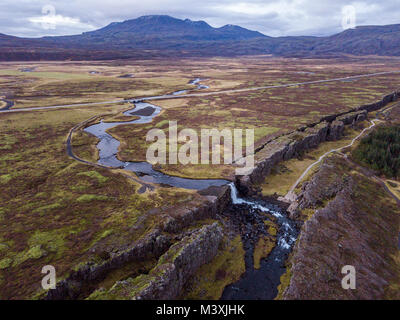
(262, 249)
(210, 280)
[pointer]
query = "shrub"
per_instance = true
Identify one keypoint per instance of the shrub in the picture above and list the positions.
(381, 151)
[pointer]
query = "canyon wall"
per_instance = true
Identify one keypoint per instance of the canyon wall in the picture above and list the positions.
(288, 146)
(354, 222)
(166, 280)
(155, 244)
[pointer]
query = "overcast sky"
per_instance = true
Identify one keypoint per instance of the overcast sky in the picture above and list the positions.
(34, 18)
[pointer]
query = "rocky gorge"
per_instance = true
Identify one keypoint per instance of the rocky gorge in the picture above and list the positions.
(180, 247)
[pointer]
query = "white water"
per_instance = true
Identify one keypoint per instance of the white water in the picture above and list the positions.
(260, 283)
(286, 239)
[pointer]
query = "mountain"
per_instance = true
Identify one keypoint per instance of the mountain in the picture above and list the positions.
(165, 36)
(154, 32)
(364, 40)
(167, 28)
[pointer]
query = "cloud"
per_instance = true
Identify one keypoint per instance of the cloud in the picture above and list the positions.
(54, 21)
(271, 17)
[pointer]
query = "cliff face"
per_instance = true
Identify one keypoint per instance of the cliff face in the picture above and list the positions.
(170, 230)
(355, 223)
(289, 146)
(166, 280)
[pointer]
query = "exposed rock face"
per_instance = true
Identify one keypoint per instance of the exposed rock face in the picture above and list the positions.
(280, 149)
(174, 268)
(358, 227)
(289, 146)
(335, 131)
(315, 192)
(153, 245)
(217, 200)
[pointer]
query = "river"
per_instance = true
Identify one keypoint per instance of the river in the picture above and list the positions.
(108, 148)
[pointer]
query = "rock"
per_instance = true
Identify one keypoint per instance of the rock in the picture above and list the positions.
(293, 210)
(344, 232)
(335, 131)
(175, 267)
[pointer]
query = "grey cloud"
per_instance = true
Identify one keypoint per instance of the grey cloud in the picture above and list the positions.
(272, 17)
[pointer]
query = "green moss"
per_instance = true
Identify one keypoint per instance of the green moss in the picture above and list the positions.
(285, 281)
(45, 209)
(272, 229)
(34, 252)
(3, 247)
(226, 268)
(95, 175)
(91, 197)
(5, 178)
(5, 263)
(123, 290)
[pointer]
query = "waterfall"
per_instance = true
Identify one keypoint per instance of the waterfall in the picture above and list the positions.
(261, 283)
(286, 239)
(254, 205)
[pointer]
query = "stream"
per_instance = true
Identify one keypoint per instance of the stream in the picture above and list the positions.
(8, 106)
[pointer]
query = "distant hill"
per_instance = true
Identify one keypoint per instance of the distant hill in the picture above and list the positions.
(165, 36)
(166, 28)
(364, 40)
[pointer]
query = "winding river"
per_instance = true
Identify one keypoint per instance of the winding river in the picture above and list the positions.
(108, 148)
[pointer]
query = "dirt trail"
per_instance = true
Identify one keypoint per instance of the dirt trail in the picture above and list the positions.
(291, 195)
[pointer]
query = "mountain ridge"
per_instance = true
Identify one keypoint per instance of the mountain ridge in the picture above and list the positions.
(165, 36)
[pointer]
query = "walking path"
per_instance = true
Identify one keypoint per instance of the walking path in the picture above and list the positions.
(291, 196)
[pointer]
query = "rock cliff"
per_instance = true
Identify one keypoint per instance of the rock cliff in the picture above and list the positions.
(166, 280)
(353, 222)
(157, 242)
(288, 146)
